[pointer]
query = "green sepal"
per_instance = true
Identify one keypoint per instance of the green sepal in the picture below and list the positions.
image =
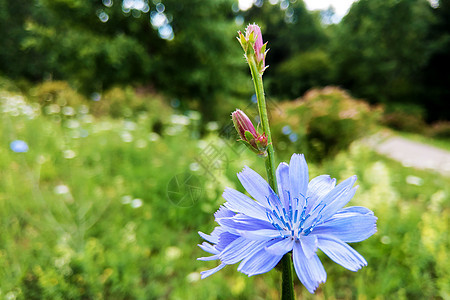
(248, 136)
(250, 51)
(242, 41)
(247, 144)
(261, 147)
(260, 66)
(263, 48)
(251, 37)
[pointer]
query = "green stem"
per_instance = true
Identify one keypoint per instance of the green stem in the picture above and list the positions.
(262, 107)
(287, 290)
(287, 285)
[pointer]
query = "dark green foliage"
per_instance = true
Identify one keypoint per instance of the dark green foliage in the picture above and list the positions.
(391, 52)
(15, 59)
(380, 49)
(200, 63)
(301, 72)
(436, 74)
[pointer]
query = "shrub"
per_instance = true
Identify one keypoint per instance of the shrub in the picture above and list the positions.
(323, 122)
(405, 118)
(60, 101)
(440, 130)
(126, 102)
(56, 92)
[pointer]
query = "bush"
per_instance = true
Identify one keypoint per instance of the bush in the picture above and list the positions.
(405, 118)
(8, 85)
(440, 130)
(56, 92)
(322, 123)
(126, 102)
(60, 101)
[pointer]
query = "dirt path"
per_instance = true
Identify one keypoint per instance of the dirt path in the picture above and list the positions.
(413, 154)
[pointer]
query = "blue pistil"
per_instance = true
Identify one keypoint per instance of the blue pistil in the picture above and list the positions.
(313, 225)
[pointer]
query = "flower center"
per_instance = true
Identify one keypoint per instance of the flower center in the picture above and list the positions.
(293, 221)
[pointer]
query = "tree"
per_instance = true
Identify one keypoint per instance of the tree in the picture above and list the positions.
(436, 75)
(185, 49)
(380, 49)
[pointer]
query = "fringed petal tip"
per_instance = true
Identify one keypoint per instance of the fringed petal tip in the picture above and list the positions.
(208, 273)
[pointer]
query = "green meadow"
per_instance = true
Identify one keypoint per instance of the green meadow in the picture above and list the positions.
(107, 207)
(116, 140)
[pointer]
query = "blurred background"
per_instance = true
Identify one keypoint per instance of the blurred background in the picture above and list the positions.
(117, 143)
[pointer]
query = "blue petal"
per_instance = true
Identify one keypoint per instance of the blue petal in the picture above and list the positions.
(355, 209)
(281, 246)
(338, 203)
(283, 184)
(205, 274)
(223, 212)
(298, 179)
(240, 249)
(259, 263)
(332, 202)
(225, 239)
(248, 219)
(349, 226)
(209, 258)
(239, 202)
(341, 253)
(208, 248)
(236, 224)
(318, 187)
(310, 271)
(214, 236)
(256, 186)
(339, 189)
(260, 235)
(309, 245)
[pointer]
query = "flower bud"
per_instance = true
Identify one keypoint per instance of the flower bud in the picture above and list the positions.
(252, 139)
(252, 43)
(258, 44)
(242, 123)
(261, 142)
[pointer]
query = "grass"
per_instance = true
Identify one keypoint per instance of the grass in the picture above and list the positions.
(95, 210)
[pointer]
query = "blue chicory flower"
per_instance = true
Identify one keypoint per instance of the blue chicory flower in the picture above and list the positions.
(302, 218)
(19, 146)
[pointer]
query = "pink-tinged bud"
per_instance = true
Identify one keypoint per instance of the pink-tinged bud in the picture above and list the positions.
(258, 45)
(255, 141)
(242, 124)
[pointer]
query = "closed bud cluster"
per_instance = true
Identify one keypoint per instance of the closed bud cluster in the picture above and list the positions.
(252, 139)
(252, 43)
